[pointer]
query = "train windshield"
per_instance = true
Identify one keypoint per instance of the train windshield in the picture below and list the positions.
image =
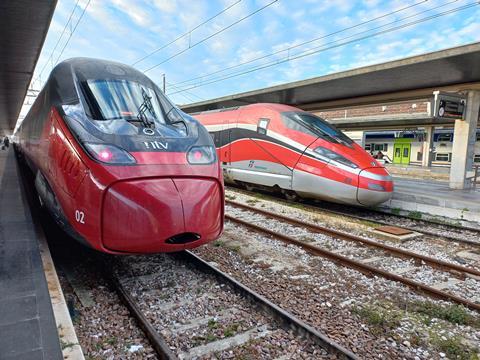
(123, 99)
(315, 126)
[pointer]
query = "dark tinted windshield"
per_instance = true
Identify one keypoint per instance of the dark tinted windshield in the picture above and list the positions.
(315, 126)
(123, 99)
(126, 107)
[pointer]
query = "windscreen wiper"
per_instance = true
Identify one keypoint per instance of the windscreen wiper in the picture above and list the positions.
(145, 106)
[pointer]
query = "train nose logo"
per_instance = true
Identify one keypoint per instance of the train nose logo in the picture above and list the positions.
(148, 131)
(373, 163)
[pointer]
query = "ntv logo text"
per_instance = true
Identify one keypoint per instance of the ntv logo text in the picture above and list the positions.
(156, 145)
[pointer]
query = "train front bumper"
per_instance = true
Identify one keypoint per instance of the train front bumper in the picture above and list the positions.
(161, 214)
(375, 186)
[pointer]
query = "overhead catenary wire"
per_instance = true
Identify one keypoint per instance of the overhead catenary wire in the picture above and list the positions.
(187, 33)
(314, 51)
(188, 92)
(58, 42)
(304, 43)
(211, 35)
(73, 31)
(184, 94)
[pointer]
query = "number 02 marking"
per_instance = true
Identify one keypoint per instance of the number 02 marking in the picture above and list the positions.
(80, 216)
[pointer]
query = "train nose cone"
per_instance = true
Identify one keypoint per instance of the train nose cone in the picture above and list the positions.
(161, 214)
(375, 186)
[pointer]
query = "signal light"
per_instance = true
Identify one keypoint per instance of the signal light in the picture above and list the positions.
(105, 155)
(109, 154)
(201, 155)
(376, 187)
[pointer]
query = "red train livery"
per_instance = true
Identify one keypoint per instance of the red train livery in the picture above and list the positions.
(284, 148)
(118, 165)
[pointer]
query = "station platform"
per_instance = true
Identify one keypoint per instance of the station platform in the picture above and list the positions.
(434, 197)
(437, 173)
(27, 323)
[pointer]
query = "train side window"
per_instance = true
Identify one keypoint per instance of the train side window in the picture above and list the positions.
(262, 126)
(378, 147)
(445, 137)
(216, 138)
(443, 157)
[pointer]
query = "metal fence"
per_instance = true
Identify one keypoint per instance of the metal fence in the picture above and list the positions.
(476, 176)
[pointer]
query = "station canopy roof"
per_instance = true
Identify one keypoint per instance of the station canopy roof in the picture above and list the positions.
(381, 82)
(23, 28)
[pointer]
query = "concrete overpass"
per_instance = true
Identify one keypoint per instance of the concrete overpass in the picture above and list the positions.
(413, 78)
(23, 28)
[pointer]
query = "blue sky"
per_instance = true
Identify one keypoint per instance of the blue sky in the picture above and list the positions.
(125, 31)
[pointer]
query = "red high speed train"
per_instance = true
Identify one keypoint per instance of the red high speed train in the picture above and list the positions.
(290, 150)
(118, 165)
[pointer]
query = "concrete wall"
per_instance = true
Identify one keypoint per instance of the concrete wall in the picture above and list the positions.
(405, 108)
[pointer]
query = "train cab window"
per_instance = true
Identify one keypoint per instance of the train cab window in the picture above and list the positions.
(123, 99)
(315, 126)
(262, 126)
(125, 107)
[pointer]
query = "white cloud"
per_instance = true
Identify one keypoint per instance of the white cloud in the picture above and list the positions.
(166, 6)
(135, 12)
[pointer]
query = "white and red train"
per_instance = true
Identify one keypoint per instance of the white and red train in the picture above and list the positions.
(282, 147)
(118, 165)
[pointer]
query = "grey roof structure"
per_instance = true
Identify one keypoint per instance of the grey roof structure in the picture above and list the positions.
(23, 28)
(458, 65)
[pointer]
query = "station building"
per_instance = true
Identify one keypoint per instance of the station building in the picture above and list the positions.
(402, 146)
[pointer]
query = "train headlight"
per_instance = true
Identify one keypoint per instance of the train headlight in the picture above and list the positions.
(329, 154)
(109, 154)
(376, 187)
(201, 155)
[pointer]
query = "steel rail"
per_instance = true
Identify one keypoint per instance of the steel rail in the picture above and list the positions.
(156, 340)
(444, 265)
(411, 228)
(357, 265)
(288, 320)
(316, 208)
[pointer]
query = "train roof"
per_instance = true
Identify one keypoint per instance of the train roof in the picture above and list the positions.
(270, 106)
(61, 81)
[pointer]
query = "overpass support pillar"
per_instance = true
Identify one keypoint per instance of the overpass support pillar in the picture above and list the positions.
(428, 147)
(464, 143)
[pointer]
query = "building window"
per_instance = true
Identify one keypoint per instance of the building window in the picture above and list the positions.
(443, 157)
(478, 137)
(368, 147)
(444, 137)
(476, 158)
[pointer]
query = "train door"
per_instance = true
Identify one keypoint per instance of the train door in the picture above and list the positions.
(225, 155)
(401, 151)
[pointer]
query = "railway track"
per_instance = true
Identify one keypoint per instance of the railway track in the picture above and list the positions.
(354, 255)
(452, 232)
(409, 223)
(189, 309)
